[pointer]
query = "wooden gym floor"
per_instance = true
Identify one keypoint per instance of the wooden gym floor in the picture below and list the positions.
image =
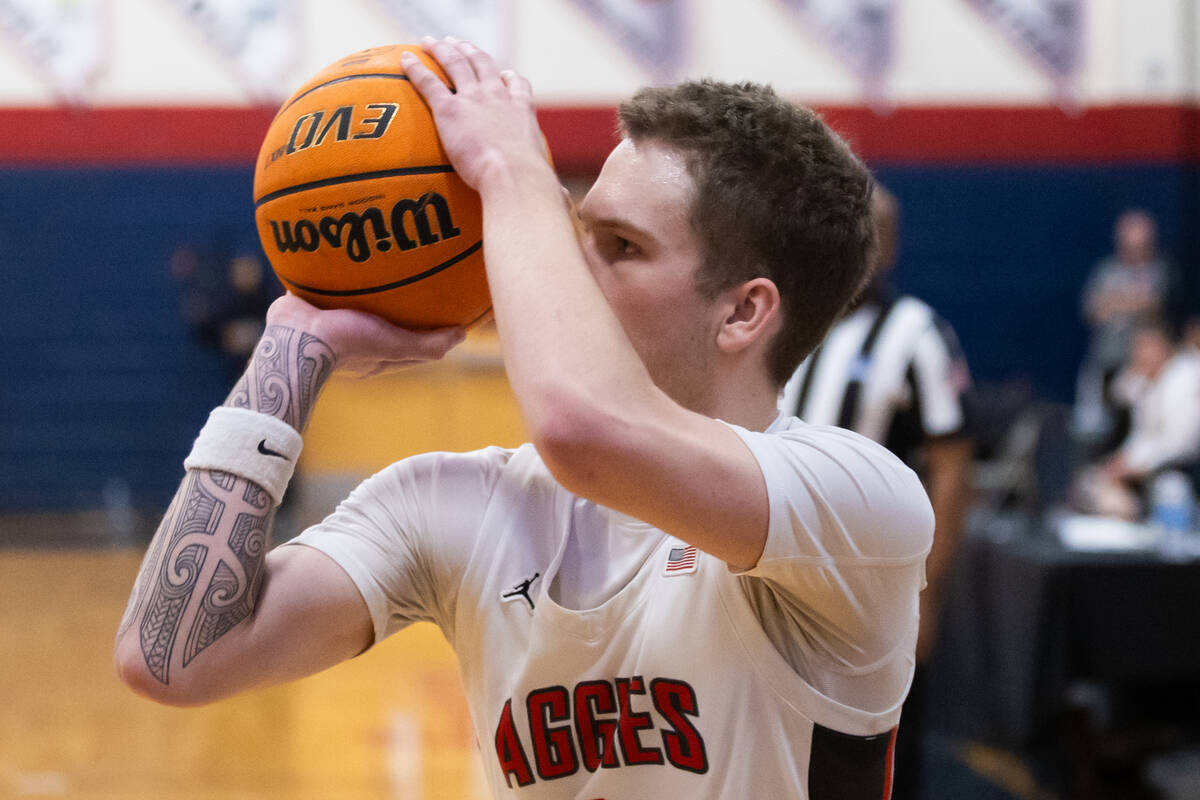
(390, 724)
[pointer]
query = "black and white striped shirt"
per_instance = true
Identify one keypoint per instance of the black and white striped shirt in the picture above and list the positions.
(891, 370)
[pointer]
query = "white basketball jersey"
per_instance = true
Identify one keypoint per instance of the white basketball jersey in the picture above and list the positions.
(671, 686)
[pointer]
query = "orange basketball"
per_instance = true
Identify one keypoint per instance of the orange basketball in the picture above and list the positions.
(357, 205)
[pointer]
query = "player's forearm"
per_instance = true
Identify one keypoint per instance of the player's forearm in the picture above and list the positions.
(203, 572)
(199, 580)
(563, 345)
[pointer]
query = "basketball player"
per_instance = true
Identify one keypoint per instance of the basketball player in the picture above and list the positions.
(674, 589)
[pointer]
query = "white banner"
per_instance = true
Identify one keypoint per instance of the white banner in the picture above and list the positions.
(1050, 32)
(482, 22)
(860, 33)
(66, 40)
(258, 39)
(651, 30)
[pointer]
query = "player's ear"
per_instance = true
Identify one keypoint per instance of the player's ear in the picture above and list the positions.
(751, 314)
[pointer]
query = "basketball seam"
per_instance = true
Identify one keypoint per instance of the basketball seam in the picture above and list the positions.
(388, 286)
(400, 76)
(429, 169)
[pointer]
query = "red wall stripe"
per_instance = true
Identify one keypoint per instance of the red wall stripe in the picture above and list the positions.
(1023, 134)
(151, 135)
(581, 137)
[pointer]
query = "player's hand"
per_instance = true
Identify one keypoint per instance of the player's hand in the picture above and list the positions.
(487, 124)
(363, 344)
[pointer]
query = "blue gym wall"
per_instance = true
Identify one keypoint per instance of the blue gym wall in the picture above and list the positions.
(102, 381)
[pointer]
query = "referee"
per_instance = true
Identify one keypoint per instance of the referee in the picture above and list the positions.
(892, 370)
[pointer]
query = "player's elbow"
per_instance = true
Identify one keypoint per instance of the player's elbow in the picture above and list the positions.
(135, 674)
(134, 671)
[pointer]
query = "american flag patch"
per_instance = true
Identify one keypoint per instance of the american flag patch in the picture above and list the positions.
(681, 561)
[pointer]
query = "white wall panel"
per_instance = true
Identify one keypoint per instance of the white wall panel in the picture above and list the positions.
(156, 60)
(945, 53)
(569, 59)
(764, 41)
(20, 81)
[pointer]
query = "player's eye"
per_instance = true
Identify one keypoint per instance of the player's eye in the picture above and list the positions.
(610, 245)
(620, 247)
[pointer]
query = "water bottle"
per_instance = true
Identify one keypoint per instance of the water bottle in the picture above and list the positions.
(1172, 506)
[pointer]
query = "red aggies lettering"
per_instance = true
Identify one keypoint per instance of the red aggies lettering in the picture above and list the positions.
(596, 727)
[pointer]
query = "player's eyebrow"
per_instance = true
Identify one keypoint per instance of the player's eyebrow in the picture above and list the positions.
(618, 223)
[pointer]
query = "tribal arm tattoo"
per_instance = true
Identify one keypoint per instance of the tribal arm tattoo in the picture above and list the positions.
(204, 569)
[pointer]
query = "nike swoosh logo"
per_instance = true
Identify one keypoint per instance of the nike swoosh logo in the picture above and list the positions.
(266, 451)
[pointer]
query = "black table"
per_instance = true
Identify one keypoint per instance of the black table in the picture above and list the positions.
(1028, 622)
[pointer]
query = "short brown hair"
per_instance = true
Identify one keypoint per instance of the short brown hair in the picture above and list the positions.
(778, 195)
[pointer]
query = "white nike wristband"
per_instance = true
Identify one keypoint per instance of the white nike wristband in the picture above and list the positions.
(251, 445)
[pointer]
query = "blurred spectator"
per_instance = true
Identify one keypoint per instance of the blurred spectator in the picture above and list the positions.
(892, 370)
(1125, 289)
(1161, 386)
(224, 302)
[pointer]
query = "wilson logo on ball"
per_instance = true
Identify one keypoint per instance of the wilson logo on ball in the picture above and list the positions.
(358, 231)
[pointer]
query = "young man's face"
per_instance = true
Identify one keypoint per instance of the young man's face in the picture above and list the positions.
(640, 245)
(1135, 235)
(1150, 352)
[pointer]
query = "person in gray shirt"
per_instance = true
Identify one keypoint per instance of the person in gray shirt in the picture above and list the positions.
(1125, 289)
